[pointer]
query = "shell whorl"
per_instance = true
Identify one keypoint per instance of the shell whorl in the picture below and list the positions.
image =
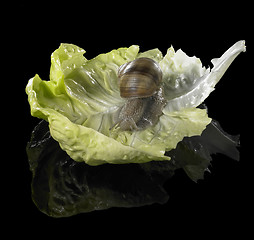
(139, 78)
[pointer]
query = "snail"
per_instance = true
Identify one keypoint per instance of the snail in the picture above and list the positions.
(140, 84)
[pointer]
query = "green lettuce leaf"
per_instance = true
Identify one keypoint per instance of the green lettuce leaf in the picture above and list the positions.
(82, 98)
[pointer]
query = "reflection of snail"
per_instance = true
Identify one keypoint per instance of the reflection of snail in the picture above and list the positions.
(140, 82)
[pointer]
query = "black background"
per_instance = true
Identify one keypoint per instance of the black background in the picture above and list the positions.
(217, 204)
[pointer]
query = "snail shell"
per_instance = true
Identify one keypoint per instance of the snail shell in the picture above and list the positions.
(140, 82)
(140, 78)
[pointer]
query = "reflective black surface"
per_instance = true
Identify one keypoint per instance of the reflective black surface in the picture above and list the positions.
(62, 187)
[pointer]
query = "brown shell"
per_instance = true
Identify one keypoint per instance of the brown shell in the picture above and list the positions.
(139, 78)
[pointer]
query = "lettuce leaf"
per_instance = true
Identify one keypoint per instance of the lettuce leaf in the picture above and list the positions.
(187, 83)
(82, 98)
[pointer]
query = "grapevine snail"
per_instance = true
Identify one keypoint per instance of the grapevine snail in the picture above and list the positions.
(140, 84)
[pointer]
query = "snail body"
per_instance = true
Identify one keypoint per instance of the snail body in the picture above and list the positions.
(140, 84)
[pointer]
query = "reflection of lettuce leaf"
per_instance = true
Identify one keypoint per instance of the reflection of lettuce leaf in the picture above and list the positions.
(82, 98)
(62, 187)
(194, 154)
